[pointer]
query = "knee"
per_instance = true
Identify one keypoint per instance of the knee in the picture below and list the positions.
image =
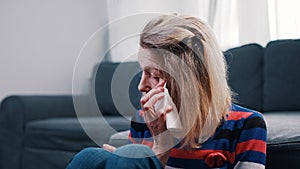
(134, 151)
(90, 151)
(89, 158)
(134, 156)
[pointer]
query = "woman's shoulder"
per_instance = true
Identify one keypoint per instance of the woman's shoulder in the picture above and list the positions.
(241, 113)
(243, 118)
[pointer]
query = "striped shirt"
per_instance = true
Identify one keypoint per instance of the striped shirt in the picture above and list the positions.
(239, 142)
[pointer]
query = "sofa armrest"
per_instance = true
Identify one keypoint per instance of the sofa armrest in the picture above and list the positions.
(119, 139)
(16, 111)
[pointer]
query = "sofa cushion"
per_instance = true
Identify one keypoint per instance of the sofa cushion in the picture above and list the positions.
(48, 158)
(119, 139)
(116, 88)
(282, 75)
(245, 74)
(283, 143)
(66, 134)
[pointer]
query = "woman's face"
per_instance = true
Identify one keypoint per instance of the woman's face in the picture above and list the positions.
(151, 76)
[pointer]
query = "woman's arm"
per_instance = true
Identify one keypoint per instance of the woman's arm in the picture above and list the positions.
(251, 144)
(163, 140)
(149, 127)
(141, 134)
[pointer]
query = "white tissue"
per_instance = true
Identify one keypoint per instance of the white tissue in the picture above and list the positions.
(172, 118)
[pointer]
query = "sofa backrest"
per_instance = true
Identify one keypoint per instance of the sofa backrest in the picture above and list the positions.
(281, 89)
(245, 75)
(116, 88)
(17, 110)
(266, 79)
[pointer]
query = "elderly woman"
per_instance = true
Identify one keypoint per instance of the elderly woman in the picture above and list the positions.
(184, 70)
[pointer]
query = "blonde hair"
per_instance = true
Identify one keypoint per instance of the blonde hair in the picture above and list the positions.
(195, 71)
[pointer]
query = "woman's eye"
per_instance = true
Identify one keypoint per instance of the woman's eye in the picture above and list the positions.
(152, 74)
(148, 74)
(156, 78)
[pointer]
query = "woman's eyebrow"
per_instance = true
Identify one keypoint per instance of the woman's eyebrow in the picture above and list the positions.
(149, 68)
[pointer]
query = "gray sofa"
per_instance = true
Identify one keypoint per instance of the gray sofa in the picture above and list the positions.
(44, 132)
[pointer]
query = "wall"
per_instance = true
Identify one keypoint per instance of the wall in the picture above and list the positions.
(132, 16)
(40, 41)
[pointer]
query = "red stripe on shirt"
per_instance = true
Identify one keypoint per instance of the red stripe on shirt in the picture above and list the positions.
(252, 145)
(236, 115)
(199, 154)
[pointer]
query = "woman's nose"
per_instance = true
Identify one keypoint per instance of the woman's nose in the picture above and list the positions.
(144, 85)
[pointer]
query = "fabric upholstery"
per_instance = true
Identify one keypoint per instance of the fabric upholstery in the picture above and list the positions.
(282, 75)
(65, 133)
(45, 158)
(51, 143)
(245, 75)
(16, 111)
(119, 139)
(283, 144)
(116, 88)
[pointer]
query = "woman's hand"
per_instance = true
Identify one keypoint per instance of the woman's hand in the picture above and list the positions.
(109, 147)
(155, 119)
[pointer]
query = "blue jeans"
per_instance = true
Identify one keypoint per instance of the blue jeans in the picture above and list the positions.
(133, 156)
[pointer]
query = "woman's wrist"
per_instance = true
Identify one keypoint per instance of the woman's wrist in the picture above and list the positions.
(163, 142)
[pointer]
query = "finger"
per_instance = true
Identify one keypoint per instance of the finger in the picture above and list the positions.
(151, 101)
(161, 83)
(168, 109)
(150, 116)
(152, 112)
(109, 147)
(152, 92)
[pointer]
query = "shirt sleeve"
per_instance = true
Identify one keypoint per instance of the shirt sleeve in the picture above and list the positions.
(139, 132)
(251, 144)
